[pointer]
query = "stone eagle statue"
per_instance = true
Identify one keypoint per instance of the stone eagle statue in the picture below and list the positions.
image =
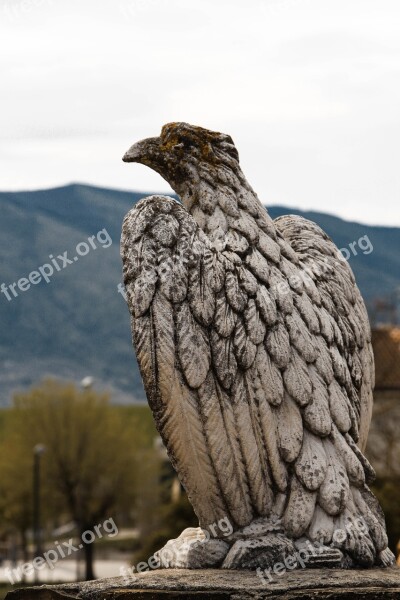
(254, 347)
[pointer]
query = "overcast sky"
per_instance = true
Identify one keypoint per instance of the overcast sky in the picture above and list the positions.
(308, 89)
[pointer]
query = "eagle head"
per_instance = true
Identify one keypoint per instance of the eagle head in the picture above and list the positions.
(183, 153)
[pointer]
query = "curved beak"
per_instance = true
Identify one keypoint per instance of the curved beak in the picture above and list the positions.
(146, 151)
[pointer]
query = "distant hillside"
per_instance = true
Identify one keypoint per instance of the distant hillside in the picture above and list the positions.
(78, 323)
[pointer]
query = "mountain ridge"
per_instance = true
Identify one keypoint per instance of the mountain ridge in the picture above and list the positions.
(77, 324)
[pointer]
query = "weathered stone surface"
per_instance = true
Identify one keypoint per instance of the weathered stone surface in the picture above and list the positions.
(191, 550)
(217, 584)
(255, 351)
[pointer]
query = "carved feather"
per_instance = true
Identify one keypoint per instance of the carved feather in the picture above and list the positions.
(316, 414)
(266, 224)
(214, 271)
(255, 327)
(236, 242)
(268, 425)
(259, 486)
(217, 221)
(334, 491)
(199, 216)
(311, 289)
(143, 340)
(338, 335)
(339, 366)
(300, 337)
(225, 317)
(227, 201)
(353, 466)
(307, 311)
(236, 298)
(321, 528)
(294, 277)
(356, 369)
(200, 296)
(326, 300)
(205, 198)
(180, 425)
(227, 176)
(339, 407)
(164, 344)
(223, 359)
(250, 204)
(266, 305)
(141, 292)
(323, 361)
(346, 331)
(243, 347)
(164, 230)
(354, 542)
(361, 312)
(232, 260)
(325, 322)
(278, 345)
(289, 429)
(368, 469)
(193, 349)
(286, 249)
(246, 225)
(268, 247)
(311, 465)
(300, 509)
(134, 227)
(222, 447)
(258, 265)
(175, 283)
(375, 528)
(297, 379)
(250, 386)
(270, 377)
(247, 281)
(280, 290)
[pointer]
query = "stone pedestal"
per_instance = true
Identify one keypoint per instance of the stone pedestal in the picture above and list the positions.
(211, 584)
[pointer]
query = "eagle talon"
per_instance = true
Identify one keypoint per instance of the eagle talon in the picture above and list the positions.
(193, 549)
(263, 552)
(386, 558)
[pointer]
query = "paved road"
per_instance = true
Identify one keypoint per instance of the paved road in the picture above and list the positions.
(65, 570)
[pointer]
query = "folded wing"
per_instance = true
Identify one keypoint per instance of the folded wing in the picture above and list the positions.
(257, 363)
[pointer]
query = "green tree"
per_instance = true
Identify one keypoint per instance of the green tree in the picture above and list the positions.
(88, 469)
(16, 489)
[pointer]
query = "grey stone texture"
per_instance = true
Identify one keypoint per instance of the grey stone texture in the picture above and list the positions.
(217, 584)
(255, 350)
